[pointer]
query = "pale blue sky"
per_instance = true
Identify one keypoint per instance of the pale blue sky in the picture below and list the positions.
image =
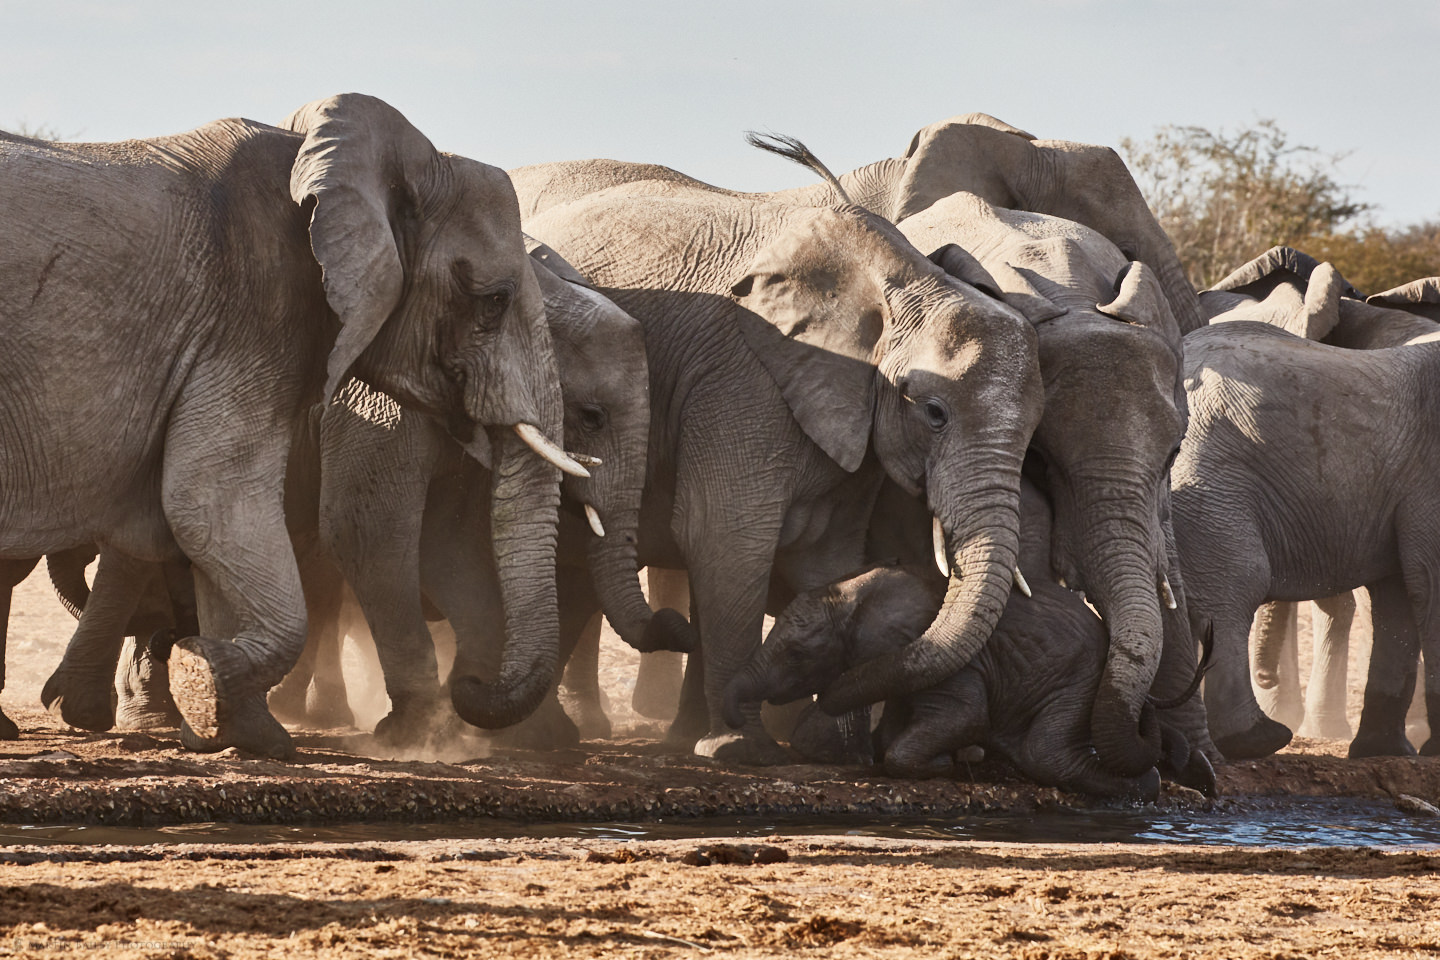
(677, 82)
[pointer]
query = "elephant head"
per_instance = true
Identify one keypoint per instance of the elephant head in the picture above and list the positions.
(424, 264)
(606, 384)
(866, 338)
(1082, 182)
(825, 631)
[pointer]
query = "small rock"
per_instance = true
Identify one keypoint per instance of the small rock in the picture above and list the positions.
(437, 901)
(1415, 806)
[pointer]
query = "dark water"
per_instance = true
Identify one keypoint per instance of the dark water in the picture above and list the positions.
(1298, 825)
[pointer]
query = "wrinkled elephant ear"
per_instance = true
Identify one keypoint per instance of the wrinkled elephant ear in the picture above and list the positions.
(1017, 291)
(814, 326)
(360, 161)
(1139, 299)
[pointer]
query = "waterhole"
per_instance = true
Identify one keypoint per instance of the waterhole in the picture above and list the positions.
(1297, 825)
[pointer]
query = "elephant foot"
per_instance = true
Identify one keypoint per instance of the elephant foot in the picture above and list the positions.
(587, 710)
(1197, 774)
(144, 701)
(1382, 744)
(206, 680)
(1325, 728)
(287, 699)
(548, 728)
(83, 701)
(1260, 739)
(412, 722)
(8, 729)
(331, 707)
(247, 726)
(741, 749)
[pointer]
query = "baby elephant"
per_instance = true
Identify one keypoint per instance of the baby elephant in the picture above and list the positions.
(1027, 695)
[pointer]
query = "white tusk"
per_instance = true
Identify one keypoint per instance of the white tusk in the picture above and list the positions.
(593, 516)
(541, 444)
(1061, 581)
(942, 559)
(1166, 594)
(1020, 583)
(584, 459)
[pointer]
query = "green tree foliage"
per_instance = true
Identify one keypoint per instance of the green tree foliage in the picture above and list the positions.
(1227, 197)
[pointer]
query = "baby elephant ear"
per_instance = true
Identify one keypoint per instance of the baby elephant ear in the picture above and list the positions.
(1139, 299)
(360, 160)
(1015, 290)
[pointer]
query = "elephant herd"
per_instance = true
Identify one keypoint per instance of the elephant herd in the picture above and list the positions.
(955, 418)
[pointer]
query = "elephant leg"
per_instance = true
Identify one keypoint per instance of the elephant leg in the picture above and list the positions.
(221, 493)
(12, 572)
(82, 688)
(1417, 718)
(1178, 662)
(1238, 727)
(657, 684)
(1325, 707)
(1390, 683)
(583, 700)
(692, 716)
(325, 597)
(1275, 646)
(940, 721)
(142, 685)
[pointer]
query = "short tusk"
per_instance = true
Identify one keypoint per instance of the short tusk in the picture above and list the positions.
(1063, 584)
(584, 459)
(1020, 583)
(942, 559)
(541, 444)
(593, 516)
(1166, 594)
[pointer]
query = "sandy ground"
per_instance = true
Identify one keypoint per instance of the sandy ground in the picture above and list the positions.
(824, 895)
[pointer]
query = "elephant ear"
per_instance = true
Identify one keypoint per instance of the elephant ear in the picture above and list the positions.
(360, 162)
(1139, 299)
(1420, 297)
(1017, 291)
(556, 264)
(813, 320)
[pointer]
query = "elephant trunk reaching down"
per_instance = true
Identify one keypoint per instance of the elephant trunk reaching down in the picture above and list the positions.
(1127, 589)
(616, 576)
(978, 509)
(526, 497)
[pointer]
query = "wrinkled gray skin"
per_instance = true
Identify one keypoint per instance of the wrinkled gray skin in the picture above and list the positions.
(1026, 695)
(404, 513)
(1110, 356)
(1292, 290)
(169, 306)
(782, 338)
(972, 152)
(1307, 471)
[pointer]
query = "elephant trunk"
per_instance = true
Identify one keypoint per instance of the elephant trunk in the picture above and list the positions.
(748, 688)
(526, 496)
(1125, 580)
(978, 510)
(616, 576)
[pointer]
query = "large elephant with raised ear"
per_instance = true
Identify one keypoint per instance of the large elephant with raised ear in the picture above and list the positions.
(795, 352)
(174, 307)
(1110, 357)
(405, 514)
(973, 152)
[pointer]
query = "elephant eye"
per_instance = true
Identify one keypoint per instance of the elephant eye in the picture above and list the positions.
(592, 416)
(935, 413)
(493, 305)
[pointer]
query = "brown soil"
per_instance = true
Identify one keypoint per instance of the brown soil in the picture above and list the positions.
(829, 895)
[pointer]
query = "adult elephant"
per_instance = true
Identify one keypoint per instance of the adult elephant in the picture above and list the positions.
(781, 340)
(1306, 472)
(406, 517)
(973, 152)
(1110, 357)
(1290, 289)
(172, 308)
